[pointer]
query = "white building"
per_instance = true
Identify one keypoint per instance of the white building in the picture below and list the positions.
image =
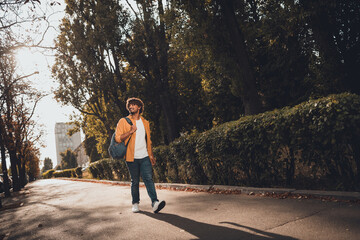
(64, 141)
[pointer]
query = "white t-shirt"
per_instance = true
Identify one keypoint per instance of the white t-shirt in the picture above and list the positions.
(140, 142)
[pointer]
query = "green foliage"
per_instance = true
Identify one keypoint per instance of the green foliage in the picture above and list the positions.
(109, 169)
(48, 174)
(120, 170)
(90, 149)
(78, 172)
(69, 173)
(47, 164)
(334, 26)
(91, 79)
(281, 60)
(68, 159)
(202, 84)
(312, 145)
(296, 50)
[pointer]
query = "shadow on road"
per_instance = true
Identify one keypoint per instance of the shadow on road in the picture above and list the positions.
(209, 231)
(76, 222)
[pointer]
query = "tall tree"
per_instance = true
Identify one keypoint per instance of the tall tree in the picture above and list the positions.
(68, 159)
(90, 144)
(93, 41)
(87, 62)
(198, 77)
(19, 20)
(335, 28)
(15, 116)
(218, 21)
(275, 34)
(3, 160)
(147, 50)
(48, 164)
(32, 164)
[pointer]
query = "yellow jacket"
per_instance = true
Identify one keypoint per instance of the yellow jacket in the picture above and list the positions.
(123, 127)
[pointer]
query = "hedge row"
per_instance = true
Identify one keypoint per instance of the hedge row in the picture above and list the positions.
(109, 169)
(73, 172)
(48, 173)
(314, 145)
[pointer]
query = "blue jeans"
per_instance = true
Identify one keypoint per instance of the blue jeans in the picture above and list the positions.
(143, 167)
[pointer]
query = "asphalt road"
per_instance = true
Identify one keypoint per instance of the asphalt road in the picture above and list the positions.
(62, 209)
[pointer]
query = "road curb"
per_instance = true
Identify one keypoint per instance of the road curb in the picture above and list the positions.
(332, 194)
(224, 189)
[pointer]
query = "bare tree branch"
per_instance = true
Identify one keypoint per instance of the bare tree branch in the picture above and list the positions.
(136, 15)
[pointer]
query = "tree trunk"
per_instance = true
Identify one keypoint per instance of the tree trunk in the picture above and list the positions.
(19, 167)
(159, 68)
(4, 168)
(22, 173)
(322, 26)
(324, 38)
(120, 82)
(356, 153)
(14, 171)
(171, 124)
(249, 94)
(165, 96)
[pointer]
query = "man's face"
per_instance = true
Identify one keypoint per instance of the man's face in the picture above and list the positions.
(133, 108)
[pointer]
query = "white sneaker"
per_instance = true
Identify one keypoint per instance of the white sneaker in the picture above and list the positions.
(135, 208)
(158, 206)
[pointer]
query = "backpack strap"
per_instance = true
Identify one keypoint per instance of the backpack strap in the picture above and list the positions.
(129, 122)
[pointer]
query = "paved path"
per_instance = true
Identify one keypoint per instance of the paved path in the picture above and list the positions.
(62, 209)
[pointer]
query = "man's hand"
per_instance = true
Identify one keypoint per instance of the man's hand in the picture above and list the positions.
(152, 160)
(133, 129)
(124, 136)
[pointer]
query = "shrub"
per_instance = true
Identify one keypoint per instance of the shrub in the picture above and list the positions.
(69, 173)
(48, 174)
(65, 173)
(314, 144)
(120, 169)
(106, 168)
(78, 172)
(102, 169)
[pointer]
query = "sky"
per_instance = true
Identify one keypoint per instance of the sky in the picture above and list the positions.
(48, 110)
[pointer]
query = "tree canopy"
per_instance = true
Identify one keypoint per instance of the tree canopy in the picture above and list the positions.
(68, 159)
(48, 164)
(196, 64)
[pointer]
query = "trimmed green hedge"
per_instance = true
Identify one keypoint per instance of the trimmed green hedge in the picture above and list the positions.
(65, 173)
(48, 173)
(73, 172)
(314, 145)
(78, 172)
(109, 169)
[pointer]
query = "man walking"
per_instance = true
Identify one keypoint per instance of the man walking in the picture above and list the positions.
(139, 155)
